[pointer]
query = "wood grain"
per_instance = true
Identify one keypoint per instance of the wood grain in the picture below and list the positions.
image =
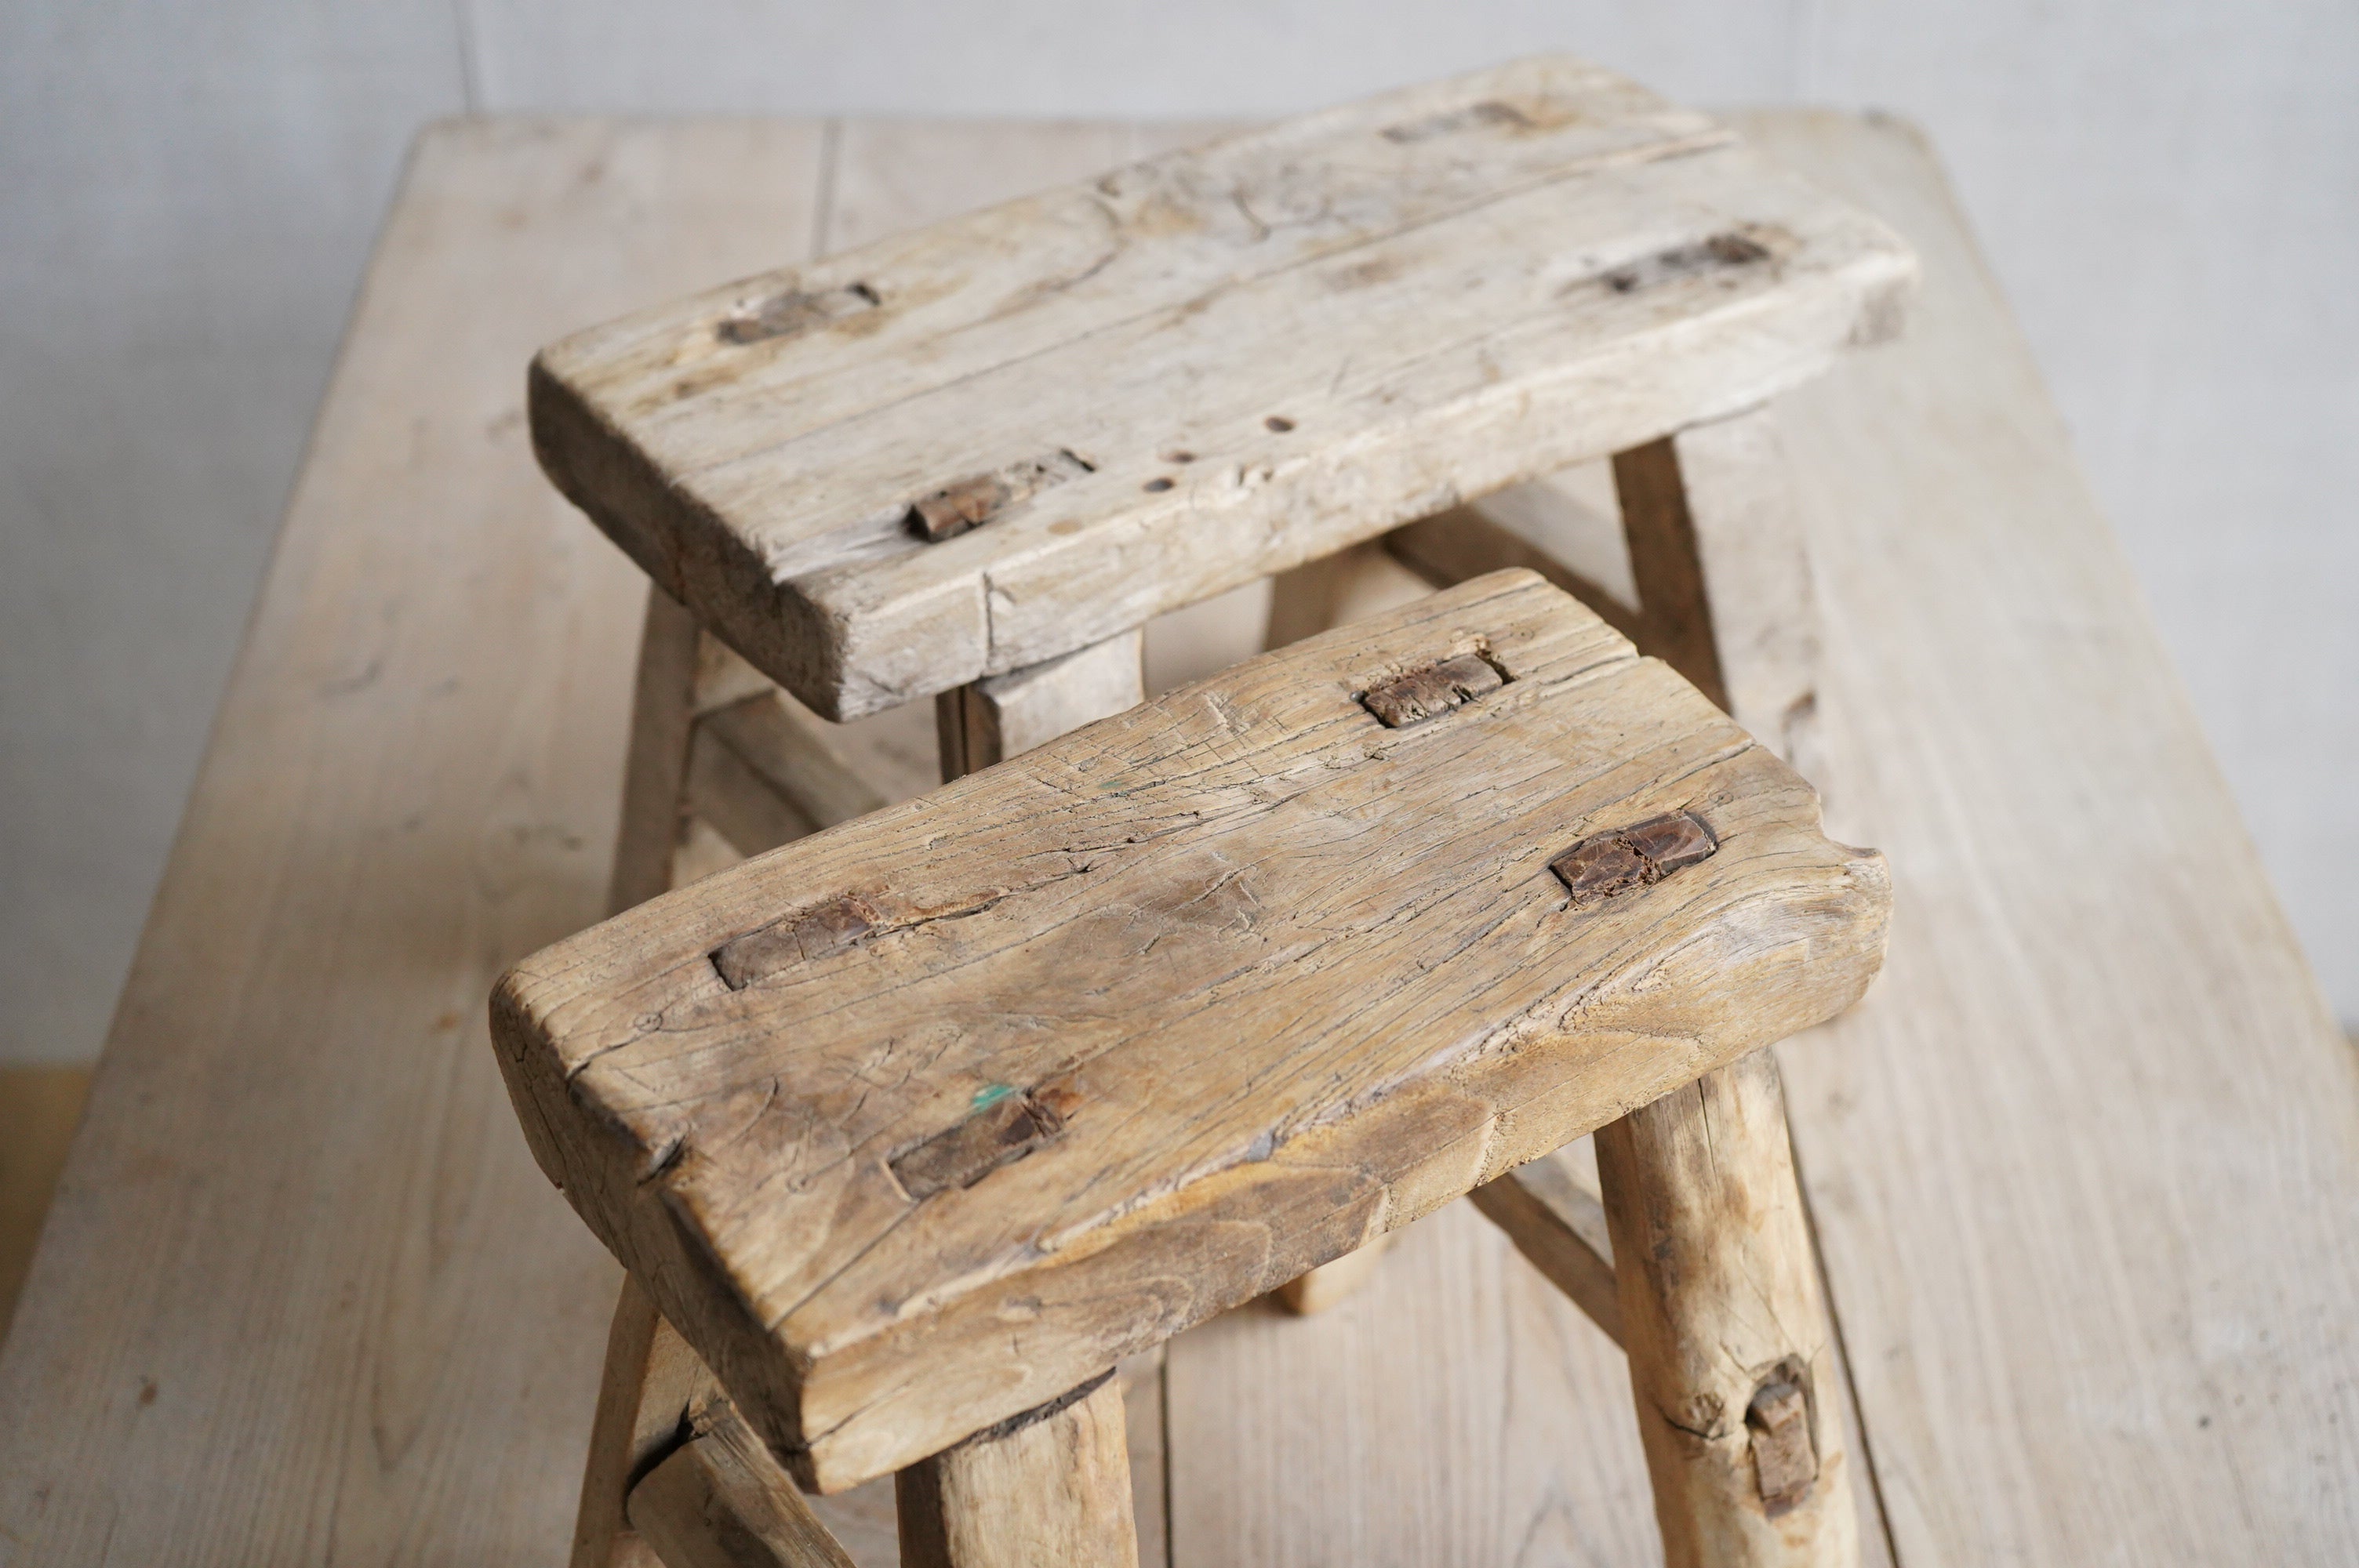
(1335, 591)
(302, 1296)
(1054, 1492)
(968, 1002)
(2078, 1167)
(1731, 1358)
(1068, 413)
(2069, 1165)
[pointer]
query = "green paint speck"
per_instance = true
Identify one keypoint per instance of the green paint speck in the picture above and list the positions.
(991, 1095)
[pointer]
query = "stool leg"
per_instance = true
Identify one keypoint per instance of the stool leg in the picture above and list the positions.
(1730, 1352)
(654, 768)
(720, 1500)
(1049, 1488)
(1329, 1284)
(999, 716)
(1732, 1359)
(1724, 574)
(697, 750)
(648, 1378)
(1561, 1229)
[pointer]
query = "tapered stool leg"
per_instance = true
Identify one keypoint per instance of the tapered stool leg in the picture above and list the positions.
(1732, 1357)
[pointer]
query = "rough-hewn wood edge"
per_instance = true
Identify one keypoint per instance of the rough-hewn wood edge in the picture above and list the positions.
(674, 538)
(1324, 498)
(1326, 1190)
(814, 634)
(1331, 1191)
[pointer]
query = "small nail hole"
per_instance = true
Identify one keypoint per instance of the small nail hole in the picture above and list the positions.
(1157, 485)
(1179, 455)
(1279, 422)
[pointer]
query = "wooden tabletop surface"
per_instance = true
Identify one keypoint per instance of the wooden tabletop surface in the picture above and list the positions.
(2084, 1165)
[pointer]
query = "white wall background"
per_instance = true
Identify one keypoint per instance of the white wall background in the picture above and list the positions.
(2168, 190)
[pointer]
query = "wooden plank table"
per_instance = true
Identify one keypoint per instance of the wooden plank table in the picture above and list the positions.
(2084, 1166)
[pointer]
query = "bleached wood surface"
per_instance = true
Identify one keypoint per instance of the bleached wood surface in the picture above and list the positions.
(2081, 1168)
(981, 445)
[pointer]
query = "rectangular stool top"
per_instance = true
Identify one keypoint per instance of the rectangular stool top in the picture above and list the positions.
(990, 442)
(916, 1123)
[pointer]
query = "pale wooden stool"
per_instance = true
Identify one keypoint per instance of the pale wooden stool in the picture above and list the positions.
(972, 461)
(917, 1127)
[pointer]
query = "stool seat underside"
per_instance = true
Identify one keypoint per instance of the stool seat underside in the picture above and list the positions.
(916, 1123)
(978, 446)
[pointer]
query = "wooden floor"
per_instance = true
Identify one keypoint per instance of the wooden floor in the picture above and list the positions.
(2083, 1167)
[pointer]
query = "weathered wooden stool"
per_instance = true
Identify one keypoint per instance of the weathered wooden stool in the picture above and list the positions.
(915, 1128)
(973, 461)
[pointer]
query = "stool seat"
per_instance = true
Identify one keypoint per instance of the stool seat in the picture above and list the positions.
(989, 443)
(919, 1122)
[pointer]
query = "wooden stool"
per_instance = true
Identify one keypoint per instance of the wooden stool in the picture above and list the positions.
(915, 1128)
(973, 461)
